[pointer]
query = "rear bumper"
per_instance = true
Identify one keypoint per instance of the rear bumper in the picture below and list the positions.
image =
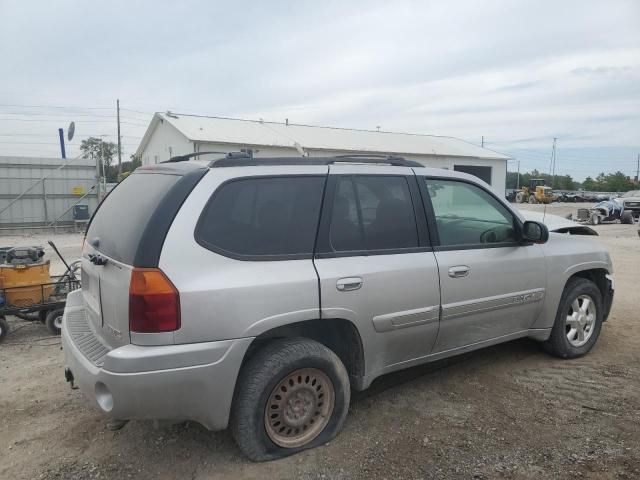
(174, 382)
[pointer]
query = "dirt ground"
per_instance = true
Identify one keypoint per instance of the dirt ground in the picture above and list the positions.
(509, 411)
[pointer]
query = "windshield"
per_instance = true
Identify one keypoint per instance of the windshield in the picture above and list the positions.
(632, 193)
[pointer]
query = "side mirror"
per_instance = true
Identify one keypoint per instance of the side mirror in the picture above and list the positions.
(535, 232)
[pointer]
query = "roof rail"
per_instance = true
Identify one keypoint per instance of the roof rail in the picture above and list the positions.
(184, 158)
(244, 160)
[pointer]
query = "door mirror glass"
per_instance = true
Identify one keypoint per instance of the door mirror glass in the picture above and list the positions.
(535, 232)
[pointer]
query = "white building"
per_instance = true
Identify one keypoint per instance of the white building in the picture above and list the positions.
(172, 134)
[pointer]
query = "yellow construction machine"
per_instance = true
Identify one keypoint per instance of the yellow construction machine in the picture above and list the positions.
(536, 192)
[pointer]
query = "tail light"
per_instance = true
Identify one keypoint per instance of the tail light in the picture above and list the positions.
(154, 303)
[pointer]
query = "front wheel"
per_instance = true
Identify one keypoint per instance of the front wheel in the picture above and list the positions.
(291, 395)
(578, 321)
(532, 199)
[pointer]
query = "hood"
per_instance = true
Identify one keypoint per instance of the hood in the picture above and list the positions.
(558, 224)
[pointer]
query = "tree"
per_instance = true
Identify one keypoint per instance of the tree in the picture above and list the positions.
(95, 148)
(560, 182)
(128, 167)
(590, 184)
(617, 182)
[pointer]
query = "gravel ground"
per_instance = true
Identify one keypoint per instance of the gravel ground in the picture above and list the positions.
(509, 411)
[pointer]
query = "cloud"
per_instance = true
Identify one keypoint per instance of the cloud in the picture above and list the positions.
(608, 71)
(497, 69)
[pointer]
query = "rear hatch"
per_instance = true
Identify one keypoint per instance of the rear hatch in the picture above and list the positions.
(127, 231)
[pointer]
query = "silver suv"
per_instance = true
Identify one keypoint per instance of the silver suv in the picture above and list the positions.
(257, 293)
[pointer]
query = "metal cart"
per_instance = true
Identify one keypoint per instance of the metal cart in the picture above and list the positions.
(45, 302)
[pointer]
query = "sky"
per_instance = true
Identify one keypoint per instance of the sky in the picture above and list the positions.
(516, 73)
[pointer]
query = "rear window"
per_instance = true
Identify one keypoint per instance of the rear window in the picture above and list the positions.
(262, 217)
(123, 215)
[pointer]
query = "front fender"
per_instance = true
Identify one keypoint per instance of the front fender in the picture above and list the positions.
(566, 256)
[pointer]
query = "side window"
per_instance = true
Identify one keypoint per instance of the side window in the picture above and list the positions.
(372, 213)
(468, 215)
(263, 216)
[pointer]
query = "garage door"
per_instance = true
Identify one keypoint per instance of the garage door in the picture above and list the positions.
(483, 173)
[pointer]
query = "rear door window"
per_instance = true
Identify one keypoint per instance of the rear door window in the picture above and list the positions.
(124, 214)
(263, 217)
(372, 213)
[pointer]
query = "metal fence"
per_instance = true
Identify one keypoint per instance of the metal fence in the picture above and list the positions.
(40, 192)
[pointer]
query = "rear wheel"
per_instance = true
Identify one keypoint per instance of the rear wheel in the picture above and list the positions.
(532, 199)
(4, 328)
(54, 321)
(626, 217)
(578, 321)
(291, 395)
(520, 197)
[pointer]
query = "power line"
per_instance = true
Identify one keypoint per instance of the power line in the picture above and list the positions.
(80, 122)
(15, 105)
(30, 114)
(49, 134)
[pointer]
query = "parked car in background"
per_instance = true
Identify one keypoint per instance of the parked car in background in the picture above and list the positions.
(258, 293)
(631, 203)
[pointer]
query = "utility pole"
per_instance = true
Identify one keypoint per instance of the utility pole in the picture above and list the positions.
(518, 187)
(482, 144)
(552, 164)
(638, 170)
(119, 147)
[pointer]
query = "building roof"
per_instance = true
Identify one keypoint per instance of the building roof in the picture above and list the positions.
(260, 133)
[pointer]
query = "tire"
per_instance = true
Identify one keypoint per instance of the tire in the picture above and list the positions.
(626, 217)
(4, 328)
(559, 343)
(532, 199)
(42, 316)
(259, 386)
(519, 197)
(595, 219)
(54, 321)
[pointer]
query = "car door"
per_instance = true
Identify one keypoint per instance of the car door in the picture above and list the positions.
(492, 285)
(375, 264)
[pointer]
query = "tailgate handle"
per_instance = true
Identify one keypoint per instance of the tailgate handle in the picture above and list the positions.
(347, 284)
(97, 259)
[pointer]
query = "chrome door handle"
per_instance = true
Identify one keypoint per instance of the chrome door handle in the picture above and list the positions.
(349, 283)
(459, 271)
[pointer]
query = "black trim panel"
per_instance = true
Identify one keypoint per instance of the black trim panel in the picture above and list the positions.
(150, 246)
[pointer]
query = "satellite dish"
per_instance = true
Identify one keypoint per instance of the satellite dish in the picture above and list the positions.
(71, 130)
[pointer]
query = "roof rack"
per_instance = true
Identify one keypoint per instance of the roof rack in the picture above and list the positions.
(184, 158)
(245, 160)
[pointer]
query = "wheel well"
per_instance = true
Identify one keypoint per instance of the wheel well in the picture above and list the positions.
(337, 334)
(599, 277)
